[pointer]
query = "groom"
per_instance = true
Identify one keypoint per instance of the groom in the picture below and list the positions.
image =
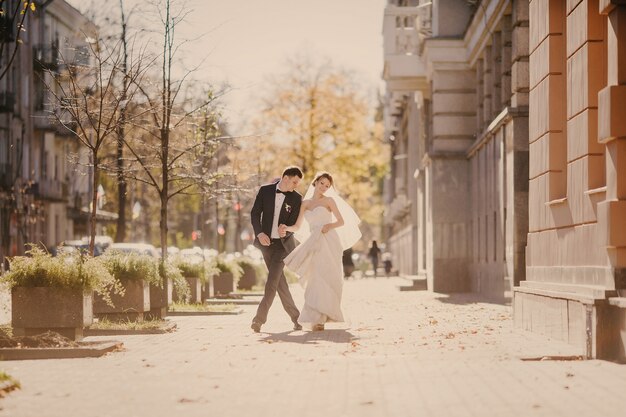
(276, 203)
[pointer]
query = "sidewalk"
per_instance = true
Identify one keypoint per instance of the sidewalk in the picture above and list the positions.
(401, 354)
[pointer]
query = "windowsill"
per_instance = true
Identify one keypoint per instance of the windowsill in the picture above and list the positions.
(556, 202)
(599, 190)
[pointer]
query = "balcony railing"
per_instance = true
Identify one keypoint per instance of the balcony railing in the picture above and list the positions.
(51, 56)
(46, 120)
(406, 28)
(46, 55)
(6, 177)
(47, 189)
(404, 31)
(399, 32)
(7, 30)
(7, 102)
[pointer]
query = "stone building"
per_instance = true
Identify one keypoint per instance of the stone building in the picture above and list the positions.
(456, 115)
(508, 171)
(576, 253)
(41, 191)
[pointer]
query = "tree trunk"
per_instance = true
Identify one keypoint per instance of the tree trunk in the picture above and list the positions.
(164, 200)
(165, 135)
(120, 234)
(94, 204)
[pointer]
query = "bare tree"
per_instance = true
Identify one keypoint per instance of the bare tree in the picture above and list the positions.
(90, 98)
(12, 19)
(163, 154)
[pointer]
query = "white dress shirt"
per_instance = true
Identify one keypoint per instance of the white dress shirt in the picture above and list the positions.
(278, 204)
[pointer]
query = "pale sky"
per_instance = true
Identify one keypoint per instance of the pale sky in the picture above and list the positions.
(248, 40)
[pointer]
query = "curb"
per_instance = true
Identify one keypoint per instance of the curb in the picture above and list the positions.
(90, 350)
(205, 313)
(233, 301)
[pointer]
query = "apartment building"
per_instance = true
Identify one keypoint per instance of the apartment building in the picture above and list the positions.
(44, 180)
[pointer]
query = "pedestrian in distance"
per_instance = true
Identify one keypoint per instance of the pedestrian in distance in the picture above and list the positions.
(387, 264)
(348, 263)
(374, 255)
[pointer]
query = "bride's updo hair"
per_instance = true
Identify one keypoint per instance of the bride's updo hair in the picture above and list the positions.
(321, 175)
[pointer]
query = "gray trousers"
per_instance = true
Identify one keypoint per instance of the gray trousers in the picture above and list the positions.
(276, 282)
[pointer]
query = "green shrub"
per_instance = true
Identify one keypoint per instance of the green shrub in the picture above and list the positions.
(132, 267)
(169, 271)
(259, 267)
(75, 271)
(204, 270)
(230, 265)
(7, 383)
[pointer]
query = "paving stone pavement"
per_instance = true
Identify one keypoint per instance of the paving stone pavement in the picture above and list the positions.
(400, 354)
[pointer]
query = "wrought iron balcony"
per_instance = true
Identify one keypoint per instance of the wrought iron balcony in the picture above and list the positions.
(7, 102)
(7, 31)
(6, 177)
(48, 189)
(46, 55)
(46, 120)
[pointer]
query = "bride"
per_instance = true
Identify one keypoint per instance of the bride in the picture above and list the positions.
(332, 228)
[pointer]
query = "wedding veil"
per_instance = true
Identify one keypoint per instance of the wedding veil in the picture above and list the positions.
(349, 233)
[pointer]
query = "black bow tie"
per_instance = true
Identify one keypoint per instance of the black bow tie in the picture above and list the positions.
(281, 192)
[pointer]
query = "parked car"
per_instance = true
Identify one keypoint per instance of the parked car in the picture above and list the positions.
(71, 246)
(192, 255)
(141, 248)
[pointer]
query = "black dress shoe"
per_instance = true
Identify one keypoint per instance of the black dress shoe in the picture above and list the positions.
(297, 326)
(256, 326)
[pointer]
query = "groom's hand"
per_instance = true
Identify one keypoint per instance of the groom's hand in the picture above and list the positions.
(264, 239)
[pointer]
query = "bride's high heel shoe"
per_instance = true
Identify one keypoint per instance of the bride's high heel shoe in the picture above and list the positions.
(318, 327)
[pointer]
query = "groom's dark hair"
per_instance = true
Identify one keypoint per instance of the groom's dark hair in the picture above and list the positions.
(293, 171)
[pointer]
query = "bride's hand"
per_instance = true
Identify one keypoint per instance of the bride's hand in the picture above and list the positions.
(326, 228)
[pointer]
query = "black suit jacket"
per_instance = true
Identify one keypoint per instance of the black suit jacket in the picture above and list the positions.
(262, 214)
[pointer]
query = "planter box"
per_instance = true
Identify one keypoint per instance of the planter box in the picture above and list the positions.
(159, 300)
(248, 279)
(131, 306)
(195, 288)
(195, 285)
(207, 289)
(223, 283)
(36, 310)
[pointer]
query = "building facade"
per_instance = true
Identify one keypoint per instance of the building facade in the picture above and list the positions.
(508, 173)
(43, 172)
(456, 115)
(576, 253)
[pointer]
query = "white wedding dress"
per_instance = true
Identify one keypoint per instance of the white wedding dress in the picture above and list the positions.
(318, 263)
